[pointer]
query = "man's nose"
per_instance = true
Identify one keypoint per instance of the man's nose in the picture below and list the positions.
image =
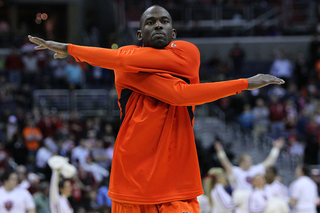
(158, 25)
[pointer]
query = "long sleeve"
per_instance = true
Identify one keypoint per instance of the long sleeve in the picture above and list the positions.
(177, 92)
(54, 188)
(178, 59)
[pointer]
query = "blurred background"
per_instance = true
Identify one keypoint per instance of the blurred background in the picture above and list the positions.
(52, 107)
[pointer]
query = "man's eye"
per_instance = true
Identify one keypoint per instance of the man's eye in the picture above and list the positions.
(165, 21)
(149, 23)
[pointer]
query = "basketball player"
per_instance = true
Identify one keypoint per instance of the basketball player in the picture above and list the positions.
(13, 198)
(158, 86)
(303, 192)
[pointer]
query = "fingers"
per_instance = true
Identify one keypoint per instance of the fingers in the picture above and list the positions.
(36, 40)
(40, 47)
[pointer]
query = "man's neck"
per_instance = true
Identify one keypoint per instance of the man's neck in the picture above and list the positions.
(7, 189)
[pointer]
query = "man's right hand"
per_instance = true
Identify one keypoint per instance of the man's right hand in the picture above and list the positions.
(218, 146)
(60, 49)
(261, 80)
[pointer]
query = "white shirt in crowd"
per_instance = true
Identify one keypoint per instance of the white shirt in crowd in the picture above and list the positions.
(281, 68)
(243, 179)
(204, 203)
(18, 201)
(42, 157)
(277, 189)
(221, 201)
(79, 153)
(257, 202)
(97, 171)
(58, 203)
(304, 190)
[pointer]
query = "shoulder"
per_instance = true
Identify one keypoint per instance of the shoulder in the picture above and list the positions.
(180, 44)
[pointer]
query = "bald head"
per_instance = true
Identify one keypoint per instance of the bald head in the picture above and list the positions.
(156, 28)
(153, 8)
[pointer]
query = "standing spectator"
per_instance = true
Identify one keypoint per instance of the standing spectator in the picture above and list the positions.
(31, 69)
(41, 198)
(261, 119)
(277, 116)
(74, 74)
(13, 198)
(97, 171)
(14, 66)
(303, 192)
(32, 137)
(237, 56)
(282, 67)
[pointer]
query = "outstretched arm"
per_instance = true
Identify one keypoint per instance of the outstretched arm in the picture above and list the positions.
(131, 59)
(273, 156)
(227, 165)
(174, 91)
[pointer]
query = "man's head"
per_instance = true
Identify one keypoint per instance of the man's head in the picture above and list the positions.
(271, 174)
(245, 161)
(302, 170)
(156, 28)
(10, 180)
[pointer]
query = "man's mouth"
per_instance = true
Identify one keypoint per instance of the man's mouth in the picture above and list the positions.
(158, 34)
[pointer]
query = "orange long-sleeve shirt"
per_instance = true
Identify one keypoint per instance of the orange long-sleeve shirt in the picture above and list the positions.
(155, 157)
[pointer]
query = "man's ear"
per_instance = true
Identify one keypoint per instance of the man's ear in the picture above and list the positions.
(174, 33)
(139, 35)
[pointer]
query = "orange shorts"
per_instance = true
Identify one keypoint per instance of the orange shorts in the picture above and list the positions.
(185, 206)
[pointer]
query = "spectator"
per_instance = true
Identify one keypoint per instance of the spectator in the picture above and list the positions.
(46, 125)
(277, 116)
(23, 181)
(58, 67)
(246, 118)
(282, 67)
(14, 66)
(101, 155)
(97, 171)
(296, 147)
(80, 153)
(42, 157)
(74, 75)
(237, 56)
(31, 69)
(32, 136)
(261, 119)
(41, 198)
(12, 127)
(102, 197)
(18, 149)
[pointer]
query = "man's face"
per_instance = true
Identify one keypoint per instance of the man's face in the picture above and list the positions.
(270, 176)
(156, 28)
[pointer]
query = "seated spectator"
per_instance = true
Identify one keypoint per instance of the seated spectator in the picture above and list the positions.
(102, 197)
(31, 69)
(32, 136)
(14, 66)
(261, 120)
(277, 116)
(42, 157)
(23, 181)
(12, 127)
(79, 153)
(101, 156)
(246, 118)
(97, 171)
(41, 198)
(282, 67)
(73, 74)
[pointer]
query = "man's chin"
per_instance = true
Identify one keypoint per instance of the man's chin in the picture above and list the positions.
(160, 44)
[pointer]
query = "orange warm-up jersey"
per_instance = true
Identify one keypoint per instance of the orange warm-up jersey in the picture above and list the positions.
(155, 158)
